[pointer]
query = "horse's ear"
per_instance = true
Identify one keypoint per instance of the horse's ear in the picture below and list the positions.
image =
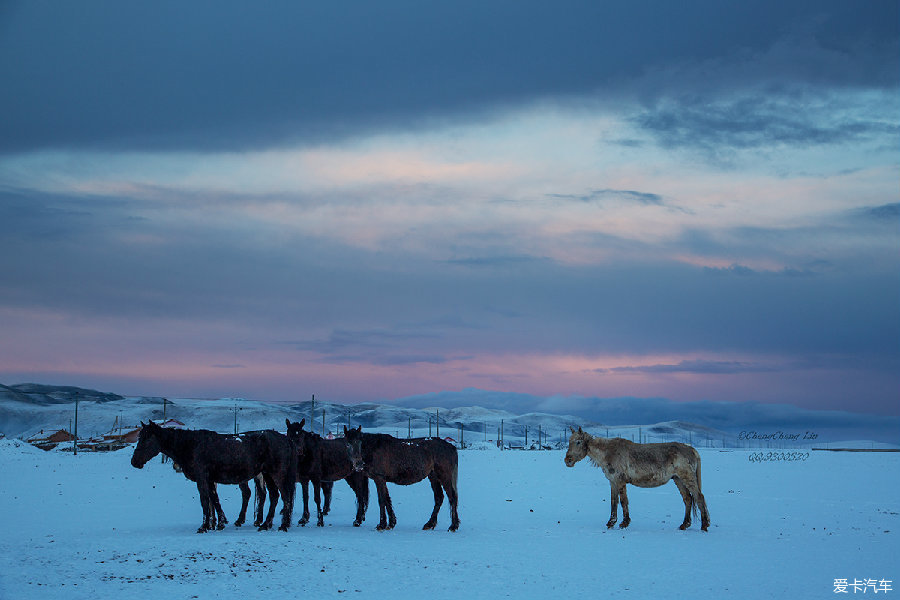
(287, 422)
(572, 428)
(359, 429)
(302, 421)
(579, 429)
(345, 430)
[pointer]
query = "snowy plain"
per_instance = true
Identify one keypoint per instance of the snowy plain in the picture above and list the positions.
(92, 526)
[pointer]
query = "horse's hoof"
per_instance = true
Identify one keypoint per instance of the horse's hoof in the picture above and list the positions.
(428, 526)
(202, 530)
(454, 527)
(356, 523)
(624, 524)
(284, 528)
(684, 526)
(611, 524)
(381, 527)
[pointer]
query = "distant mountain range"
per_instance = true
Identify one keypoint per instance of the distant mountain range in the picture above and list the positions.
(26, 409)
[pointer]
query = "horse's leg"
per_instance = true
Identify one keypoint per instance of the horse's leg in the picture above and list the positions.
(317, 494)
(449, 484)
(359, 483)
(214, 499)
(287, 483)
(688, 502)
(613, 505)
(327, 487)
(623, 499)
(383, 500)
(438, 500)
(245, 500)
(389, 507)
(704, 513)
(273, 501)
(272, 491)
(259, 484)
(304, 518)
(203, 489)
(693, 486)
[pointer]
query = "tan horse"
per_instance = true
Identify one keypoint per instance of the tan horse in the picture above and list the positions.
(643, 465)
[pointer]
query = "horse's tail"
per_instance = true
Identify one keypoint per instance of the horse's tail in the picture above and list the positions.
(454, 474)
(694, 506)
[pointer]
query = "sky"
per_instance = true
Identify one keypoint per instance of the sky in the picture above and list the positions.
(697, 202)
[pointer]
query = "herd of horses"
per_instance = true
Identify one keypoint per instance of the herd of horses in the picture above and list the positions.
(275, 462)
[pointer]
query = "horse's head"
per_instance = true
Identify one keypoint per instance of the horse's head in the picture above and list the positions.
(578, 446)
(353, 437)
(147, 445)
(295, 431)
(297, 436)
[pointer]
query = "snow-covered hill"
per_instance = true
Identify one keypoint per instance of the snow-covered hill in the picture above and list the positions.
(28, 409)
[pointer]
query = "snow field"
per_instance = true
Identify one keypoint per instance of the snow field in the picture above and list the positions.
(92, 525)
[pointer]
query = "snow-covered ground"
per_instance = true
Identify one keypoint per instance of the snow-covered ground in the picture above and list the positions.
(92, 526)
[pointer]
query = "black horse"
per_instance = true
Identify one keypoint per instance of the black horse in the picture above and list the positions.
(260, 484)
(244, 486)
(207, 458)
(385, 458)
(323, 462)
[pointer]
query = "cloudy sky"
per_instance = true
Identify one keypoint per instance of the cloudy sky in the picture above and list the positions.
(370, 200)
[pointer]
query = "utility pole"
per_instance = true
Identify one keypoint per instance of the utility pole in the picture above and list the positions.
(409, 428)
(165, 401)
(526, 437)
(75, 433)
(501, 434)
(539, 437)
(323, 422)
(312, 412)
(437, 422)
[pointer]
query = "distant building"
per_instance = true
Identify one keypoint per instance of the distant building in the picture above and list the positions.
(48, 440)
(122, 436)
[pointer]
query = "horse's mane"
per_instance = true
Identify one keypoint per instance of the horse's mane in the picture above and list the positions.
(592, 446)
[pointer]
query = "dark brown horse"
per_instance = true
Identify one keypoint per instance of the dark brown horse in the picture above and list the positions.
(323, 462)
(643, 465)
(208, 458)
(384, 458)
